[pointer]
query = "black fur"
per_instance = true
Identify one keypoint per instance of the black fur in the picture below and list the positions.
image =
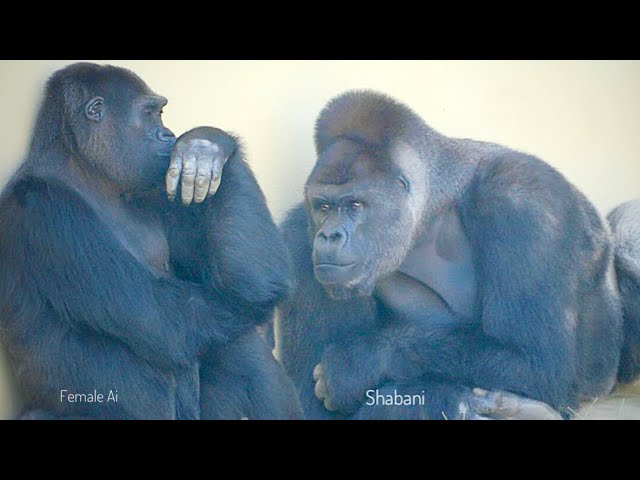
(625, 222)
(79, 312)
(546, 320)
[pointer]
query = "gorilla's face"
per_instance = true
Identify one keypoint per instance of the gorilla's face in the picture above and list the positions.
(149, 143)
(125, 139)
(362, 227)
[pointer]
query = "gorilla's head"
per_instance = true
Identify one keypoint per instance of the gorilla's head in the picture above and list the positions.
(110, 121)
(366, 194)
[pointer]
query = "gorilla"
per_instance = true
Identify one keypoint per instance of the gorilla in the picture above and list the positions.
(116, 303)
(442, 278)
(625, 223)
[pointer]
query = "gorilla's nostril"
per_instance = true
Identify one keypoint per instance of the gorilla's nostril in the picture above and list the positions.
(165, 135)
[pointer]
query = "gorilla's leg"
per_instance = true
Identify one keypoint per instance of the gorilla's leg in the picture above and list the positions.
(244, 380)
(625, 223)
(188, 394)
(75, 362)
(599, 334)
(39, 415)
(629, 284)
(44, 415)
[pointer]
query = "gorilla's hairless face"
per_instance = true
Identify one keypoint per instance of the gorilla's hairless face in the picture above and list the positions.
(121, 133)
(362, 225)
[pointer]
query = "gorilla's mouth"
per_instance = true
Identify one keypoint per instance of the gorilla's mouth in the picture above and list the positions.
(165, 153)
(335, 273)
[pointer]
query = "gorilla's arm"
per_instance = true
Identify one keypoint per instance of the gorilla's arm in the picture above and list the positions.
(309, 320)
(229, 243)
(76, 264)
(522, 342)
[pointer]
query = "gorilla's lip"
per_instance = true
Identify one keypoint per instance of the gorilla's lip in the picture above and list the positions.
(335, 274)
(336, 265)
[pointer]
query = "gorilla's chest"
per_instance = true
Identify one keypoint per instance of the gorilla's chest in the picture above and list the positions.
(144, 236)
(442, 261)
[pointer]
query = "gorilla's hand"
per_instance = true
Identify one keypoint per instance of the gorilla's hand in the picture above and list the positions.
(199, 156)
(326, 389)
(497, 405)
(346, 372)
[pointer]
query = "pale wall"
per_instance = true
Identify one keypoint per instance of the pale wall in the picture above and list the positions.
(582, 117)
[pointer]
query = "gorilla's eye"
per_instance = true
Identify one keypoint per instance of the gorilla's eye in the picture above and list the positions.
(324, 207)
(404, 183)
(355, 205)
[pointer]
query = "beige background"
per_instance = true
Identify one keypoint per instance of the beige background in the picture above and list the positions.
(581, 117)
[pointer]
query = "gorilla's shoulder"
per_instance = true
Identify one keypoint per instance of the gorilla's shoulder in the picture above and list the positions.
(27, 190)
(31, 199)
(521, 179)
(623, 215)
(295, 223)
(625, 224)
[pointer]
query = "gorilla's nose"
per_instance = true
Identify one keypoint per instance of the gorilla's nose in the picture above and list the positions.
(335, 238)
(329, 243)
(165, 135)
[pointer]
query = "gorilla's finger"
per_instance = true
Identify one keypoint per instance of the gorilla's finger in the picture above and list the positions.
(216, 175)
(527, 409)
(189, 171)
(203, 178)
(480, 392)
(320, 389)
(491, 403)
(318, 372)
(173, 175)
(328, 404)
(475, 416)
(508, 406)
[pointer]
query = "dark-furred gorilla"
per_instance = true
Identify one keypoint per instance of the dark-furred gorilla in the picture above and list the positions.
(442, 278)
(108, 288)
(625, 223)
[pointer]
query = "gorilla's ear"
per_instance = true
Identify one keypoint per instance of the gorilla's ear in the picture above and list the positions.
(94, 109)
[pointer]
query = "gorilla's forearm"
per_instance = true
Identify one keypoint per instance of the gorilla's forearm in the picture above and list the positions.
(461, 354)
(230, 242)
(208, 318)
(248, 249)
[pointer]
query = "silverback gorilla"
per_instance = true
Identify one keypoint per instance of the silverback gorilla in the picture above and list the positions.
(108, 287)
(625, 223)
(442, 278)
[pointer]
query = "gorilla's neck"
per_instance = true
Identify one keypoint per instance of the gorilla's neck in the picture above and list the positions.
(449, 172)
(91, 184)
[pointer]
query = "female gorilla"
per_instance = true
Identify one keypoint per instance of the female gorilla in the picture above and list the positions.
(106, 287)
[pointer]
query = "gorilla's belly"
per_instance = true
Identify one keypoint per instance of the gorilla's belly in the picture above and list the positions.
(443, 261)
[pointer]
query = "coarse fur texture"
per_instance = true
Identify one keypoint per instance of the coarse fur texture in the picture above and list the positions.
(625, 223)
(512, 268)
(106, 285)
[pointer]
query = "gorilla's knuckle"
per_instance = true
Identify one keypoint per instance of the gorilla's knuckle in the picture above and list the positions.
(204, 165)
